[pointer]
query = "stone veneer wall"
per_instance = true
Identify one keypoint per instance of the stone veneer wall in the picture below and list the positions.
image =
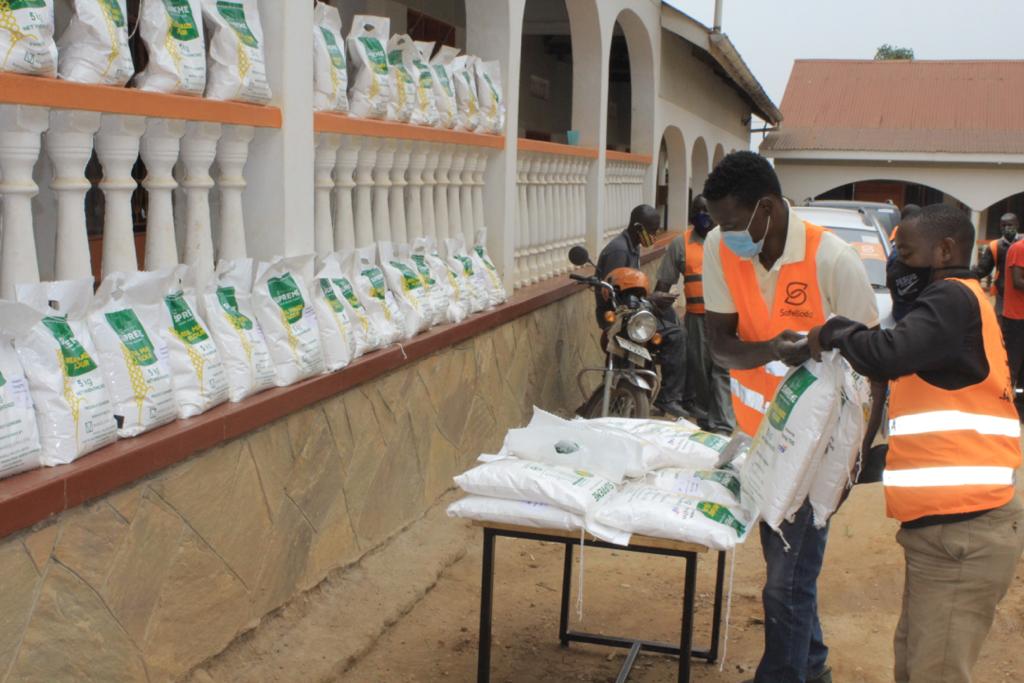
(151, 580)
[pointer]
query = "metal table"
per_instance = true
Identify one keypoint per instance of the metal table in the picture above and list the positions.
(638, 544)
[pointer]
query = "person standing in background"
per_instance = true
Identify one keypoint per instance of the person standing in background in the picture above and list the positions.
(1013, 317)
(993, 260)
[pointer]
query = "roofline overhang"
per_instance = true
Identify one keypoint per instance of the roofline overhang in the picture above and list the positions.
(885, 158)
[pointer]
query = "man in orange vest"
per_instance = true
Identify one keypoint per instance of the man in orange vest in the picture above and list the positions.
(954, 447)
(767, 277)
(993, 260)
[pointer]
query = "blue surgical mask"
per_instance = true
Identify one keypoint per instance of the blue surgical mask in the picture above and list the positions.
(741, 243)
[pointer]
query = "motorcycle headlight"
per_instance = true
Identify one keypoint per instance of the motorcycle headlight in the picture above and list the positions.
(642, 326)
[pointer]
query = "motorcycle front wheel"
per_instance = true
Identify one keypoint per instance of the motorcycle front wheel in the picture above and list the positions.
(629, 401)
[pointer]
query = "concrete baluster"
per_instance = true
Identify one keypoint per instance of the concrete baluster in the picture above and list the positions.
(69, 143)
(364, 191)
(564, 209)
(381, 190)
(469, 224)
(344, 220)
(159, 152)
(198, 150)
(414, 198)
(20, 131)
(326, 157)
(232, 155)
(399, 224)
(428, 190)
(455, 193)
(441, 220)
(479, 168)
(522, 273)
(117, 147)
(550, 221)
(534, 199)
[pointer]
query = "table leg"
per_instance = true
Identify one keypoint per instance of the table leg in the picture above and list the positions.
(716, 616)
(686, 638)
(563, 621)
(483, 669)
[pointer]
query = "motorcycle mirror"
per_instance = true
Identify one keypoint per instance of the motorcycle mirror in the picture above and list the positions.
(578, 256)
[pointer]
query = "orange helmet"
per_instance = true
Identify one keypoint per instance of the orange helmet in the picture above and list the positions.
(627, 279)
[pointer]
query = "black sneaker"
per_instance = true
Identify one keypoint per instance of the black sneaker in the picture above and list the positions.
(671, 408)
(824, 677)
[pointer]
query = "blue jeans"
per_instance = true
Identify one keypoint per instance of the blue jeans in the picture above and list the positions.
(794, 649)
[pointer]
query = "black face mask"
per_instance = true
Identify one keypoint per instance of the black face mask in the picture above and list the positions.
(904, 282)
(702, 224)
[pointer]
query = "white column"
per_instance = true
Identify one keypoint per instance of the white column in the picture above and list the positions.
(198, 150)
(324, 161)
(117, 146)
(69, 143)
(344, 220)
(399, 229)
(381, 188)
(417, 164)
(479, 168)
(469, 225)
(455, 192)
(442, 222)
(232, 154)
(522, 274)
(364, 191)
(159, 151)
(427, 191)
(20, 130)
(535, 218)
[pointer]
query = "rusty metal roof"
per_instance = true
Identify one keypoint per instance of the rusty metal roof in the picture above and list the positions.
(902, 106)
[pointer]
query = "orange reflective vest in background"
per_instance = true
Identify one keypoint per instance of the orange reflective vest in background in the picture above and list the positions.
(953, 452)
(693, 275)
(797, 306)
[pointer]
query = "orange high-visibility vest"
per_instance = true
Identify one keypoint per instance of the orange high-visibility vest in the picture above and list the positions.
(693, 275)
(953, 452)
(797, 306)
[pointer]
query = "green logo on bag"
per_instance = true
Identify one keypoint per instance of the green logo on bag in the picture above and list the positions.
(789, 393)
(426, 79)
(713, 441)
(494, 90)
(424, 269)
(722, 515)
(726, 479)
(442, 77)
(467, 265)
(287, 296)
(336, 53)
(376, 278)
(332, 298)
(346, 291)
(26, 4)
(113, 10)
(183, 24)
(482, 253)
(410, 280)
(76, 360)
(229, 303)
(3, 381)
(186, 327)
(234, 14)
(131, 333)
(375, 53)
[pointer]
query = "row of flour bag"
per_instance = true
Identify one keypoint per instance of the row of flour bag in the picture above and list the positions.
(195, 47)
(400, 79)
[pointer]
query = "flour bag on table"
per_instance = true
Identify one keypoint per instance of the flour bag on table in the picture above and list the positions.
(404, 282)
(515, 512)
(717, 486)
(444, 89)
(495, 288)
(280, 296)
(441, 281)
(132, 354)
(20, 449)
(578, 491)
(402, 105)
(680, 444)
(370, 88)
(330, 68)
(338, 330)
(94, 46)
(236, 67)
(74, 413)
(492, 103)
(466, 98)
(372, 285)
(26, 38)
(475, 284)
(172, 31)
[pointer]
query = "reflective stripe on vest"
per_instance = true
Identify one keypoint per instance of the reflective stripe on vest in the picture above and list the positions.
(928, 477)
(693, 274)
(748, 397)
(953, 421)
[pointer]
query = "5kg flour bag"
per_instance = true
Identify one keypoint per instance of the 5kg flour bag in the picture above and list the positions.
(228, 311)
(20, 450)
(577, 491)
(465, 93)
(173, 33)
(26, 39)
(679, 444)
(402, 106)
(94, 46)
(717, 486)
(73, 409)
(337, 331)
(287, 318)
(517, 512)
(449, 286)
(236, 68)
(790, 441)
(492, 104)
(405, 282)
(370, 92)
(444, 89)
(438, 292)
(330, 69)
(366, 334)
(425, 111)
(482, 262)
(133, 356)
(372, 285)
(382, 329)
(475, 284)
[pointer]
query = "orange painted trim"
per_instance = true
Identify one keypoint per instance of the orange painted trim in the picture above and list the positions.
(324, 122)
(612, 155)
(540, 147)
(57, 94)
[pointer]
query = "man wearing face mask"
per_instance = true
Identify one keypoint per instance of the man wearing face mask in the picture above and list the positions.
(706, 394)
(767, 277)
(954, 446)
(993, 260)
(902, 282)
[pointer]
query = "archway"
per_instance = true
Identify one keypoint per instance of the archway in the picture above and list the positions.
(719, 155)
(698, 168)
(672, 180)
(546, 72)
(630, 125)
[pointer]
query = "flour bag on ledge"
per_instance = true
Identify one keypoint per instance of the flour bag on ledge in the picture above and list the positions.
(20, 450)
(492, 103)
(372, 285)
(373, 329)
(283, 309)
(330, 68)
(404, 282)
(172, 31)
(495, 289)
(371, 86)
(402, 106)
(425, 112)
(462, 69)
(94, 47)
(236, 65)
(475, 282)
(26, 41)
(337, 328)
(444, 90)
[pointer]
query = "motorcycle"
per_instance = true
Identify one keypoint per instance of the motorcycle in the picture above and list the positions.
(630, 379)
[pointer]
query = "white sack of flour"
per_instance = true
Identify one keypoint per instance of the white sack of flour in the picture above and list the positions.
(26, 39)
(577, 491)
(402, 106)
(366, 332)
(438, 292)
(515, 512)
(172, 31)
(679, 444)
(280, 297)
(404, 282)
(496, 293)
(227, 309)
(462, 75)
(74, 413)
(132, 354)
(475, 283)
(444, 87)
(330, 68)
(377, 305)
(370, 87)
(20, 449)
(717, 486)
(236, 67)
(442, 282)
(492, 102)
(371, 284)
(337, 329)
(425, 110)
(94, 46)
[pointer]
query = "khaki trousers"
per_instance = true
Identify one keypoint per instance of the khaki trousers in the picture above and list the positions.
(956, 574)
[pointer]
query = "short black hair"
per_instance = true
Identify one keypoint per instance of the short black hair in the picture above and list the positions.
(644, 213)
(939, 221)
(745, 176)
(910, 211)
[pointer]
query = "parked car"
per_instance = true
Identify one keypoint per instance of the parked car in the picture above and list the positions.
(887, 215)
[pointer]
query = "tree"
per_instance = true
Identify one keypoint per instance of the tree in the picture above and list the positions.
(888, 51)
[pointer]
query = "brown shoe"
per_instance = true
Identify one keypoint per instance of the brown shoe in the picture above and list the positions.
(824, 677)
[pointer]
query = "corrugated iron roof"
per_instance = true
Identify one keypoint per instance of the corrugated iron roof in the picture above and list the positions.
(902, 106)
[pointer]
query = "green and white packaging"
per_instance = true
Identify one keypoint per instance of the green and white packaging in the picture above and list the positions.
(424, 109)
(74, 413)
(338, 330)
(464, 78)
(405, 283)
(717, 486)
(172, 31)
(442, 282)
(131, 353)
(444, 87)
(285, 313)
(94, 46)
(495, 288)
(492, 101)
(26, 39)
(236, 64)
(475, 282)
(382, 328)
(403, 104)
(371, 86)
(20, 449)
(371, 285)
(330, 67)
(679, 444)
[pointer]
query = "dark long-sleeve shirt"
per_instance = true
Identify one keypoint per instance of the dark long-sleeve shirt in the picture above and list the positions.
(619, 253)
(988, 262)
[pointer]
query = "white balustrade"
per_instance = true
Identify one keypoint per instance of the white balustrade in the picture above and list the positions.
(417, 165)
(399, 225)
(479, 168)
(433, 152)
(159, 152)
(381, 190)
(69, 144)
(344, 219)
(198, 150)
(624, 190)
(117, 147)
(441, 219)
(469, 224)
(364, 191)
(522, 270)
(455, 192)
(325, 159)
(20, 131)
(232, 153)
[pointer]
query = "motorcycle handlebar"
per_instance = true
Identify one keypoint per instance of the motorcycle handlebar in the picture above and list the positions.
(582, 278)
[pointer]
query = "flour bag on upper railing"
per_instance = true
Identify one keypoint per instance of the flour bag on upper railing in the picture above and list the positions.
(466, 97)
(172, 31)
(402, 106)
(370, 89)
(424, 110)
(236, 67)
(475, 284)
(337, 328)
(20, 450)
(404, 282)
(132, 354)
(330, 68)
(492, 102)
(227, 308)
(281, 297)
(73, 409)
(444, 90)
(495, 288)
(26, 38)
(94, 46)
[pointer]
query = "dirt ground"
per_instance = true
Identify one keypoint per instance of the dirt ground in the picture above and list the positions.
(637, 595)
